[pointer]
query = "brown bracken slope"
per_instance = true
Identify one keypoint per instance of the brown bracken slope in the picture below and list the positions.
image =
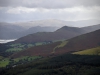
(43, 50)
(85, 41)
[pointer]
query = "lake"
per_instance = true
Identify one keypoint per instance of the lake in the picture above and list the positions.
(6, 41)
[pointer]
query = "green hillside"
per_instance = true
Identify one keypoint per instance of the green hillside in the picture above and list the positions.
(92, 51)
(4, 62)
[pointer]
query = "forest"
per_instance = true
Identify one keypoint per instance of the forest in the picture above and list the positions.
(66, 64)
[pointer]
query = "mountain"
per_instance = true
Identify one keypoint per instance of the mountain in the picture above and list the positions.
(57, 23)
(82, 42)
(9, 31)
(62, 33)
(91, 28)
(85, 23)
(19, 29)
(42, 23)
(39, 29)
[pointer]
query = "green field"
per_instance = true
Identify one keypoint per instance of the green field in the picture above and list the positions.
(14, 49)
(19, 47)
(93, 51)
(5, 61)
(28, 58)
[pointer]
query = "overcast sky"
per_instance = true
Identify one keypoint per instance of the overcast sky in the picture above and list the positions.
(30, 10)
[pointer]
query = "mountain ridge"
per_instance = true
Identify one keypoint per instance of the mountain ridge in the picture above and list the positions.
(62, 33)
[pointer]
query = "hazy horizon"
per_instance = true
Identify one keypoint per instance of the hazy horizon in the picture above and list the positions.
(54, 23)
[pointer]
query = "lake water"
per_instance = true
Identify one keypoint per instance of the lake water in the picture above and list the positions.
(6, 41)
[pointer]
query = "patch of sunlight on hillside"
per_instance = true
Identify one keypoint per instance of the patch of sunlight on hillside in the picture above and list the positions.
(61, 45)
(92, 51)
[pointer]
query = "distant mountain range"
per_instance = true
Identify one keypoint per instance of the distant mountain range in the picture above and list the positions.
(10, 31)
(91, 28)
(57, 23)
(20, 29)
(62, 33)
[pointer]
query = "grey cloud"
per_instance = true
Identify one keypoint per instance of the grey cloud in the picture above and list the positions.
(52, 14)
(93, 13)
(48, 3)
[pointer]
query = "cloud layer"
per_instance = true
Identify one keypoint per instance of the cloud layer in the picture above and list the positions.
(52, 4)
(26, 10)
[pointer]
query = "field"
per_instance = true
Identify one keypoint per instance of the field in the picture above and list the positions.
(93, 51)
(28, 58)
(4, 62)
(13, 48)
(8, 61)
(19, 47)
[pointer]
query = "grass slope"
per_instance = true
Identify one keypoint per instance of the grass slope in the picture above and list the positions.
(92, 51)
(59, 46)
(8, 61)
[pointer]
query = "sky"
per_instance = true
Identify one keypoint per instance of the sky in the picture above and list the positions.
(30, 10)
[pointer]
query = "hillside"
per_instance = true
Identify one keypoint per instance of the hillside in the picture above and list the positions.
(36, 29)
(11, 31)
(91, 28)
(82, 42)
(43, 50)
(92, 51)
(62, 33)
(66, 64)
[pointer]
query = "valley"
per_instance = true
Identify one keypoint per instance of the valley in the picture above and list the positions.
(49, 37)
(66, 51)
